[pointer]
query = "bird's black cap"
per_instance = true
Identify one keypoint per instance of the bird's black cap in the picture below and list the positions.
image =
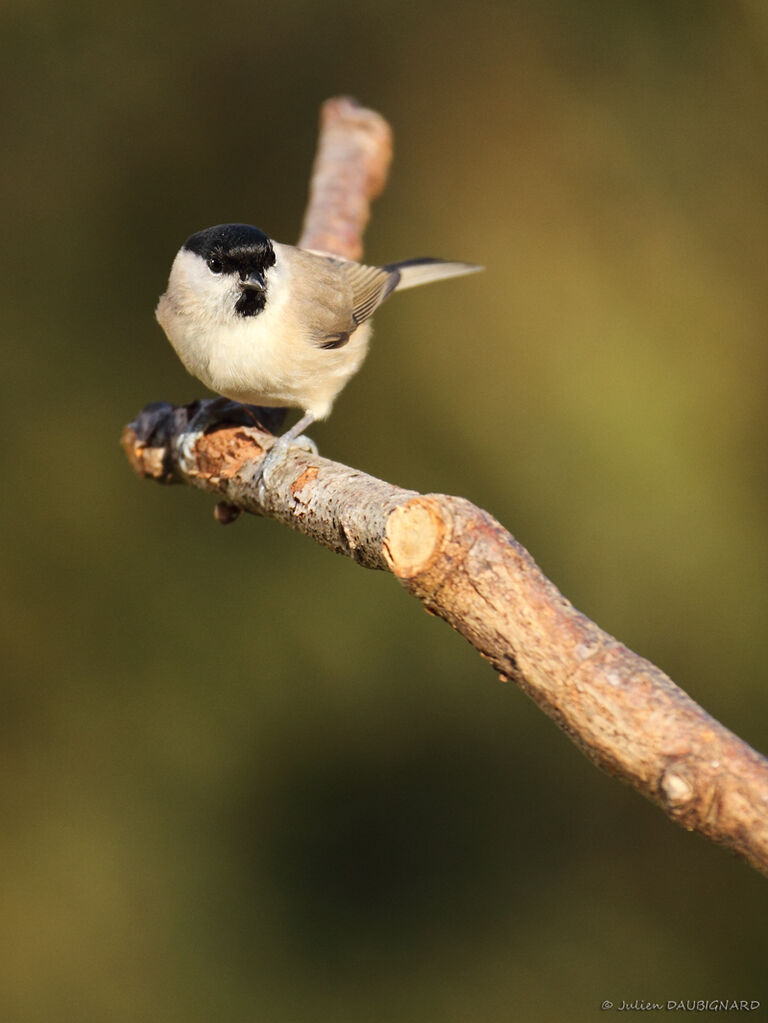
(232, 242)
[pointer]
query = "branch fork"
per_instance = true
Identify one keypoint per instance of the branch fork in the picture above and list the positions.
(625, 714)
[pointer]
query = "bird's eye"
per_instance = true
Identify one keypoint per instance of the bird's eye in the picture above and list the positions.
(215, 265)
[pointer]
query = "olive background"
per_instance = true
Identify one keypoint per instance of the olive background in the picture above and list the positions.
(244, 779)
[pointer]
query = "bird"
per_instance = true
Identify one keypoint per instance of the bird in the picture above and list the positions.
(269, 324)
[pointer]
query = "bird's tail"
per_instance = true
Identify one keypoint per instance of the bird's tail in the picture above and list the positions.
(413, 272)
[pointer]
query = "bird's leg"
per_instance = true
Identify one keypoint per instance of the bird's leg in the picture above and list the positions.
(279, 450)
(294, 434)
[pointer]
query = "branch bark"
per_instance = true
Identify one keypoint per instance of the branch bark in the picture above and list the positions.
(622, 711)
(351, 167)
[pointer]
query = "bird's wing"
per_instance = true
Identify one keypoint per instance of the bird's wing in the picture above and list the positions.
(372, 284)
(347, 293)
(369, 285)
(344, 294)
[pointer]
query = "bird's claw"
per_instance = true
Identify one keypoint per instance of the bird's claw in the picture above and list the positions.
(276, 456)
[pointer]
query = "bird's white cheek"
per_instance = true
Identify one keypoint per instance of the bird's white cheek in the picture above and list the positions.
(210, 302)
(195, 309)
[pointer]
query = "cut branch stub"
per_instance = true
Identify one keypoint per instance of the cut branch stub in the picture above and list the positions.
(413, 537)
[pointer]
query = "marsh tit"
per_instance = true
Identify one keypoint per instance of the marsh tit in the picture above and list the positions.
(269, 324)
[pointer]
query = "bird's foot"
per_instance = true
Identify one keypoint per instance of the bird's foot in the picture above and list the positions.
(278, 453)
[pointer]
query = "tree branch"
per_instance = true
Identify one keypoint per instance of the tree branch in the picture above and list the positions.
(353, 157)
(622, 711)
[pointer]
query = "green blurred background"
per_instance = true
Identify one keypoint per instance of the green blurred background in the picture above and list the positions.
(246, 780)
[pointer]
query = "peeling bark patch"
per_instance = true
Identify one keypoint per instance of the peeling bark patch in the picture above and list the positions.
(307, 477)
(226, 451)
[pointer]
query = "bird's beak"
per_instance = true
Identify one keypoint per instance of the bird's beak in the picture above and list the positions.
(254, 282)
